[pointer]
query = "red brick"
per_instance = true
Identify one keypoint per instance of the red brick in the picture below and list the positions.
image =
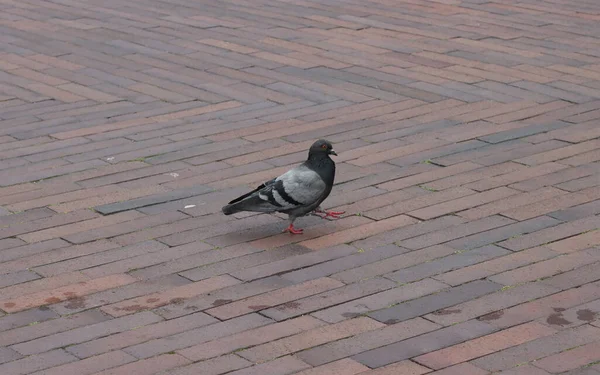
(571, 359)
(309, 338)
(85, 333)
(365, 341)
(461, 368)
(197, 335)
(576, 243)
(513, 177)
(37, 362)
(379, 300)
(345, 366)
(542, 347)
(493, 266)
(91, 365)
(140, 334)
(250, 338)
(551, 234)
(148, 366)
(329, 298)
(560, 153)
(425, 177)
(484, 345)
(402, 367)
(554, 204)
(359, 232)
(415, 346)
(64, 230)
(108, 256)
(503, 204)
(273, 298)
(544, 306)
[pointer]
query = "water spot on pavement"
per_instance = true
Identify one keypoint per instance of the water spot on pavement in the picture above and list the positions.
(492, 316)
(586, 315)
(557, 320)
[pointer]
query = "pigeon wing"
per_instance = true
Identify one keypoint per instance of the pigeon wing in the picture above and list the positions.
(299, 187)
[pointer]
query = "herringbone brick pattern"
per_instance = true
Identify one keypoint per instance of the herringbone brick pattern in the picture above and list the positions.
(468, 134)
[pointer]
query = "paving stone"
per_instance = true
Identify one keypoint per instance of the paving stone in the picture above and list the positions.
(37, 362)
(277, 297)
(140, 334)
(158, 299)
(84, 333)
(366, 341)
(309, 338)
(149, 201)
(541, 347)
(424, 343)
(379, 300)
(441, 300)
(484, 345)
(196, 336)
(250, 338)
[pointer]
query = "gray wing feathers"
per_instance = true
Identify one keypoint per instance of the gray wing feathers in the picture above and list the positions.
(298, 187)
(303, 185)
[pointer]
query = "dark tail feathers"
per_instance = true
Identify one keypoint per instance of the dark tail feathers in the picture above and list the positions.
(229, 209)
(232, 207)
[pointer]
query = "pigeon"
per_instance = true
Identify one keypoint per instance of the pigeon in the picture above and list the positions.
(298, 192)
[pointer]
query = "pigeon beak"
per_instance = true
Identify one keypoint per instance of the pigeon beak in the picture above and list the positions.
(333, 152)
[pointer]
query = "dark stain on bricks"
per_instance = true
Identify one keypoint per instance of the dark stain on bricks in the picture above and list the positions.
(10, 304)
(192, 307)
(447, 311)
(220, 302)
(391, 321)
(258, 307)
(75, 302)
(52, 300)
(350, 315)
(492, 316)
(558, 309)
(557, 319)
(44, 308)
(586, 315)
(152, 300)
(289, 305)
(132, 308)
(69, 294)
(177, 301)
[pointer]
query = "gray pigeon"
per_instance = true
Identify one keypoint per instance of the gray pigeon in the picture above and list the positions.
(297, 192)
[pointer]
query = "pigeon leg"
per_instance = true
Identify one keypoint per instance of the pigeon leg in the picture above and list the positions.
(333, 214)
(291, 228)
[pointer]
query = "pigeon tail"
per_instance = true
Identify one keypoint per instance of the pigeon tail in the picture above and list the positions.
(229, 209)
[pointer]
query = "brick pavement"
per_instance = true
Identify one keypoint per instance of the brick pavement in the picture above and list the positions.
(469, 167)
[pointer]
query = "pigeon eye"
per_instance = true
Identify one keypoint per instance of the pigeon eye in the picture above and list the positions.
(324, 146)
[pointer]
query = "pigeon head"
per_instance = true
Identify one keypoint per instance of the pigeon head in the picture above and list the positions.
(321, 147)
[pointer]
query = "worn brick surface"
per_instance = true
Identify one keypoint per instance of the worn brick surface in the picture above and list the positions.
(468, 167)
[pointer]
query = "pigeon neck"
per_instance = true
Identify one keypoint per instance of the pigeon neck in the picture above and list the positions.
(323, 165)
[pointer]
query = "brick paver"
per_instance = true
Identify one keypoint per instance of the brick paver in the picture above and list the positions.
(469, 169)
